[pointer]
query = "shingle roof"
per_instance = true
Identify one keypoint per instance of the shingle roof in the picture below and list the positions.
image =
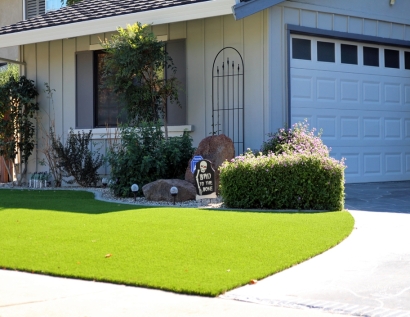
(90, 10)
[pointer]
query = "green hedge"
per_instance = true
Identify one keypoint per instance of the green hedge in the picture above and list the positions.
(286, 181)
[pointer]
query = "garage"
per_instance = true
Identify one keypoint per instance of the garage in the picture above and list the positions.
(358, 93)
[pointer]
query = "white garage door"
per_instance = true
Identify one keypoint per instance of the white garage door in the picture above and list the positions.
(359, 94)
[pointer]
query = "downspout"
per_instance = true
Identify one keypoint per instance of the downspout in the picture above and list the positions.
(24, 10)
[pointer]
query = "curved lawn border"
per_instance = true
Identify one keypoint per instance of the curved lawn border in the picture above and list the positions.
(185, 250)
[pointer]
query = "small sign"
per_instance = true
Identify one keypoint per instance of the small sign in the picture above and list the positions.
(195, 160)
(205, 180)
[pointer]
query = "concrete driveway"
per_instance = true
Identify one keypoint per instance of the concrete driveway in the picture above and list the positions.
(368, 274)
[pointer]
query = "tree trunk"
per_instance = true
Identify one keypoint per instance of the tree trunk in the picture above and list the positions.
(8, 169)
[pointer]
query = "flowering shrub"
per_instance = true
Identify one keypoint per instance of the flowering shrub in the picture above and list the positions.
(286, 181)
(298, 139)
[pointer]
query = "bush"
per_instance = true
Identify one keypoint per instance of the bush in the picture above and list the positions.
(76, 159)
(11, 70)
(299, 139)
(296, 181)
(145, 155)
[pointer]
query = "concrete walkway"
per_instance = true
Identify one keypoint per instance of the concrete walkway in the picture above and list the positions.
(368, 274)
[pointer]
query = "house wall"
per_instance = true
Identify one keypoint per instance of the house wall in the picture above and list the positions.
(11, 11)
(54, 63)
(366, 17)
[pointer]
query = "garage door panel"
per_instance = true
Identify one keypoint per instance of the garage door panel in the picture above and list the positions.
(350, 128)
(326, 89)
(407, 164)
(302, 87)
(361, 127)
(407, 95)
(407, 129)
(349, 90)
(392, 93)
(371, 92)
(393, 129)
(348, 69)
(372, 128)
(386, 93)
(394, 163)
(353, 163)
(328, 125)
(364, 111)
(372, 164)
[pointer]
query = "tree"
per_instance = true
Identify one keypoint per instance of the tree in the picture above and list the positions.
(17, 109)
(10, 70)
(69, 2)
(140, 71)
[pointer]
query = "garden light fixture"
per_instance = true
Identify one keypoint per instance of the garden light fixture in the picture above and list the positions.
(174, 192)
(134, 189)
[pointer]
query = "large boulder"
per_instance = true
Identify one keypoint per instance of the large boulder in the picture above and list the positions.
(159, 190)
(215, 148)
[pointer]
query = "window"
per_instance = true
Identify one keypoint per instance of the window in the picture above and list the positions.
(348, 54)
(97, 106)
(325, 52)
(107, 107)
(301, 49)
(35, 8)
(370, 56)
(391, 58)
(407, 60)
(53, 5)
(39, 7)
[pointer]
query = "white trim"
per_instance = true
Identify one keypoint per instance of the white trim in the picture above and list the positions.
(162, 38)
(345, 12)
(161, 16)
(95, 47)
(105, 133)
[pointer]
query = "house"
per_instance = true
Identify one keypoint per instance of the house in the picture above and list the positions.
(343, 65)
(12, 11)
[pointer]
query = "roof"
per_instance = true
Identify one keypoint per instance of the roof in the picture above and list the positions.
(99, 16)
(88, 10)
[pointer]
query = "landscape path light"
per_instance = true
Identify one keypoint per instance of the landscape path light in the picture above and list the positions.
(134, 189)
(174, 192)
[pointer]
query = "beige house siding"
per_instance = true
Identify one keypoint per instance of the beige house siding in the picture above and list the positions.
(205, 38)
(11, 11)
(54, 63)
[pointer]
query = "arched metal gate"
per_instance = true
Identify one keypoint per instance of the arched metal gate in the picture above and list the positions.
(228, 95)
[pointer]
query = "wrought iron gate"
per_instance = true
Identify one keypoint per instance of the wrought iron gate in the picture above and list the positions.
(228, 95)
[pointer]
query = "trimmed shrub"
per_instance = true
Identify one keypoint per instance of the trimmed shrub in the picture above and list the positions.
(297, 181)
(145, 155)
(298, 139)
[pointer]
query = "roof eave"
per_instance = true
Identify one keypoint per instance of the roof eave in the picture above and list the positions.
(244, 9)
(160, 16)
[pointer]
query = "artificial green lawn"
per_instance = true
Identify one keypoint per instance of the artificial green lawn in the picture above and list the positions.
(206, 252)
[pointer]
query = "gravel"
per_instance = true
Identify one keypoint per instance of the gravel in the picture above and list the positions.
(105, 194)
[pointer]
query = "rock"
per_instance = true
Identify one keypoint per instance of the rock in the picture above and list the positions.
(159, 190)
(215, 148)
